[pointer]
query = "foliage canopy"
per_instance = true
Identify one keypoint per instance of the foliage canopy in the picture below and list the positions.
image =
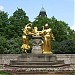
(11, 32)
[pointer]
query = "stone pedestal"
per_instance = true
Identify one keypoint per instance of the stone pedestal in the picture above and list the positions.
(37, 57)
(36, 44)
(27, 63)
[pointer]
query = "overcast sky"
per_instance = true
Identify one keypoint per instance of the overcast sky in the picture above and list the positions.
(62, 9)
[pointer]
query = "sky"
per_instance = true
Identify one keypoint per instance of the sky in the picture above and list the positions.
(61, 9)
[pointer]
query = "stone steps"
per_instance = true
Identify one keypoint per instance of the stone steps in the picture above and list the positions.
(41, 73)
(32, 64)
(38, 63)
(38, 66)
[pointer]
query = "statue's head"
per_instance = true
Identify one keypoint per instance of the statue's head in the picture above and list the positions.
(46, 26)
(29, 26)
(35, 28)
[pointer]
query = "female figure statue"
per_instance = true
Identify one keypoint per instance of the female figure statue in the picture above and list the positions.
(26, 32)
(47, 37)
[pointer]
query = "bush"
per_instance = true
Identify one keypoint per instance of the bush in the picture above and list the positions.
(64, 47)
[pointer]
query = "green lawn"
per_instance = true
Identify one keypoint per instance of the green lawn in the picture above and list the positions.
(3, 73)
(73, 73)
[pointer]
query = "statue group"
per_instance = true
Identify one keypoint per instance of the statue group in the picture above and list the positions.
(46, 35)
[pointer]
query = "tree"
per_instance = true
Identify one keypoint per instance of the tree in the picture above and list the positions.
(40, 21)
(59, 29)
(11, 31)
(13, 46)
(17, 23)
(67, 46)
(3, 23)
(71, 33)
(2, 44)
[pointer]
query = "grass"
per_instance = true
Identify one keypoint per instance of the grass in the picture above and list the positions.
(73, 73)
(4, 73)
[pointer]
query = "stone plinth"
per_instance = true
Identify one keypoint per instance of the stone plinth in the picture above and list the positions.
(40, 63)
(68, 58)
(37, 57)
(37, 61)
(36, 44)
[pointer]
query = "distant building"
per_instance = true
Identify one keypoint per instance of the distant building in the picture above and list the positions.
(42, 12)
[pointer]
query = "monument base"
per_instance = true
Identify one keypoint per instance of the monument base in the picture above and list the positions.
(37, 57)
(37, 63)
(36, 44)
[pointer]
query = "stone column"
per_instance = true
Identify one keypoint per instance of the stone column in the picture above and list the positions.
(37, 44)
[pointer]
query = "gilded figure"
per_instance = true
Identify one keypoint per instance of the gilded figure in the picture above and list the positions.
(26, 32)
(47, 37)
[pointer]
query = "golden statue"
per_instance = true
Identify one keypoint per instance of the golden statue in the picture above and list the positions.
(26, 32)
(47, 37)
(46, 34)
(35, 31)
